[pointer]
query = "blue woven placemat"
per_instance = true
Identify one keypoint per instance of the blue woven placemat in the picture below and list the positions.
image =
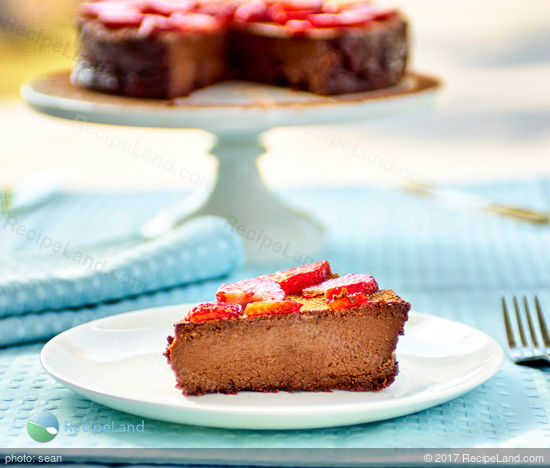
(447, 263)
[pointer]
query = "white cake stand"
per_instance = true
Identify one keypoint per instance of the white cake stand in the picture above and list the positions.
(236, 113)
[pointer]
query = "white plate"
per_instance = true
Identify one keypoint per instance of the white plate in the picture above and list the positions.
(118, 362)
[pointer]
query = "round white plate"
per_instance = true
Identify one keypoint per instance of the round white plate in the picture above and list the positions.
(118, 362)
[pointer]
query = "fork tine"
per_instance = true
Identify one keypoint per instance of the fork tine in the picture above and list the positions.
(509, 332)
(542, 323)
(530, 323)
(520, 324)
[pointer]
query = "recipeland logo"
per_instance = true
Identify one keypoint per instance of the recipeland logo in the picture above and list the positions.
(43, 426)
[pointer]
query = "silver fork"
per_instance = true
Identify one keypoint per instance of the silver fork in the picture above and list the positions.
(532, 347)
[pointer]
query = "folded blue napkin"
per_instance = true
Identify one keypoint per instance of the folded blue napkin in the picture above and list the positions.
(35, 292)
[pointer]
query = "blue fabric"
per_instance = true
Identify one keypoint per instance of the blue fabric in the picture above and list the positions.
(454, 264)
(67, 277)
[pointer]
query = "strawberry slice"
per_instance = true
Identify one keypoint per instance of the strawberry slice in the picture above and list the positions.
(152, 24)
(289, 5)
(375, 11)
(345, 18)
(199, 22)
(253, 10)
(167, 7)
(214, 311)
(120, 18)
(348, 301)
(295, 26)
(272, 308)
(293, 281)
(222, 11)
(282, 17)
(343, 286)
(250, 290)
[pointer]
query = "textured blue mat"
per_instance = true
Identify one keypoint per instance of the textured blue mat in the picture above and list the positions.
(448, 263)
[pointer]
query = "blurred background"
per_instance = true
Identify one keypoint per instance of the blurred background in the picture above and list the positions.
(491, 121)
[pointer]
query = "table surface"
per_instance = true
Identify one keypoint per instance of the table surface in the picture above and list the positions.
(448, 263)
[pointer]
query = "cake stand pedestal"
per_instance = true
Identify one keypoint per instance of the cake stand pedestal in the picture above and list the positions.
(236, 113)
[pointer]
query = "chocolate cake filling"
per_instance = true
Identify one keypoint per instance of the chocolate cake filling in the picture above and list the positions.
(316, 349)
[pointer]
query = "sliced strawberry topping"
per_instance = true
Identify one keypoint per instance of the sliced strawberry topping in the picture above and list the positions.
(120, 18)
(375, 11)
(294, 280)
(250, 290)
(348, 301)
(114, 14)
(254, 10)
(272, 308)
(167, 7)
(199, 22)
(223, 11)
(342, 286)
(298, 26)
(154, 23)
(282, 17)
(289, 5)
(333, 20)
(95, 8)
(214, 311)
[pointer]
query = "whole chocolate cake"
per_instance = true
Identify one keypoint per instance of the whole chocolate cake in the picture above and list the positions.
(300, 329)
(168, 48)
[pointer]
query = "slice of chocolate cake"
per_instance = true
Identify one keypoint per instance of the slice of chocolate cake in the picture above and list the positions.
(168, 48)
(303, 329)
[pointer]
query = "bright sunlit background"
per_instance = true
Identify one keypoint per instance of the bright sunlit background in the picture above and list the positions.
(491, 121)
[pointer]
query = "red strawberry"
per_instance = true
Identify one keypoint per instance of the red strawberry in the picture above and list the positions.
(187, 21)
(376, 11)
(253, 10)
(293, 281)
(214, 311)
(289, 5)
(348, 301)
(154, 23)
(222, 11)
(272, 308)
(119, 18)
(250, 290)
(295, 26)
(346, 18)
(167, 7)
(342, 286)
